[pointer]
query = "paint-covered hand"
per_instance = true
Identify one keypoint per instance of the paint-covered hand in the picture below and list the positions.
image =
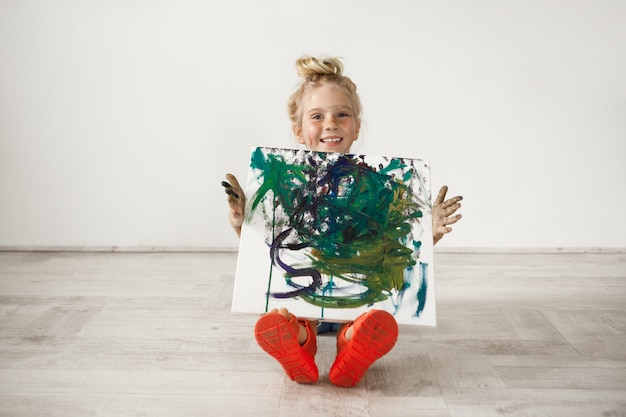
(443, 213)
(236, 202)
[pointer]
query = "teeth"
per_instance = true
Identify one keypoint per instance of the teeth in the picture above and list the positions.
(333, 140)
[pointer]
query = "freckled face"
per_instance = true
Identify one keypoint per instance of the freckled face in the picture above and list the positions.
(328, 122)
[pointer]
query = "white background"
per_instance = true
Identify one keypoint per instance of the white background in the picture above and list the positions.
(119, 119)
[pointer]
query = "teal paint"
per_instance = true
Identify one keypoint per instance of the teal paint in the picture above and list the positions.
(350, 222)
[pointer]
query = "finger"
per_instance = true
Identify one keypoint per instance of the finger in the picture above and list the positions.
(452, 201)
(452, 209)
(442, 194)
(452, 220)
(235, 187)
(230, 192)
(236, 205)
(443, 230)
(233, 181)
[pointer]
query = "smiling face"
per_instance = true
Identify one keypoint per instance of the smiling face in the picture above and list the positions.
(328, 120)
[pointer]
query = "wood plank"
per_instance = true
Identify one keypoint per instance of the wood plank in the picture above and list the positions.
(126, 334)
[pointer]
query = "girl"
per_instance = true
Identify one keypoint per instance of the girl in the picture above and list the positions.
(325, 113)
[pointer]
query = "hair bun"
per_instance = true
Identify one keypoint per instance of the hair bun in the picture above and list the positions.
(309, 66)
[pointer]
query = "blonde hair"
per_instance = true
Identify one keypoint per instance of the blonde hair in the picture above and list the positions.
(317, 72)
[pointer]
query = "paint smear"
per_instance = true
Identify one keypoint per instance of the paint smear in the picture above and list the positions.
(343, 231)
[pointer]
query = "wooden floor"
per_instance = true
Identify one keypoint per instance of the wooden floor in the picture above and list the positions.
(151, 334)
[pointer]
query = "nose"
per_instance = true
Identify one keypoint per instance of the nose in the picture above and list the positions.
(330, 123)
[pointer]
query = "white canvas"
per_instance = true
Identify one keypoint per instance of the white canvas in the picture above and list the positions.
(329, 236)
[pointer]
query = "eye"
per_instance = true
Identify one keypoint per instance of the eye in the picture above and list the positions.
(316, 117)
(343, 114)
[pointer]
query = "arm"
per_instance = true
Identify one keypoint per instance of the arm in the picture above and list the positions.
(236, 202)
(443, 214)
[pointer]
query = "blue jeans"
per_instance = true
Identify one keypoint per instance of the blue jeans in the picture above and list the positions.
(327, 327)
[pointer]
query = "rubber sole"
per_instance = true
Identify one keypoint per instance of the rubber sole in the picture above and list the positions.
(375, 333)
(276, 336)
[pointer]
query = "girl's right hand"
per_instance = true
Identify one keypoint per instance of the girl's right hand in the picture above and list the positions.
(236, 202)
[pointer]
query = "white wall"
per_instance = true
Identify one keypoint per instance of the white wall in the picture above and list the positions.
(118, 119)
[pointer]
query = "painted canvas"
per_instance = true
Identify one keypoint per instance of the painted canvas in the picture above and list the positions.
(329, 236)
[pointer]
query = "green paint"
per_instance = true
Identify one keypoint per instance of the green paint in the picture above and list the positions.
(356, 221)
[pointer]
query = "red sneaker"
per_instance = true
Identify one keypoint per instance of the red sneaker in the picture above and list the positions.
(279, 337)
(375, 333)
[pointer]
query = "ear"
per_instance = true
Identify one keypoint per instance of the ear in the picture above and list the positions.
(357, 130)
(297, 132)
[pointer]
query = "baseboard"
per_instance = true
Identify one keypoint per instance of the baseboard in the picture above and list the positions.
(116, 249)
(200, 249)
(608, 250)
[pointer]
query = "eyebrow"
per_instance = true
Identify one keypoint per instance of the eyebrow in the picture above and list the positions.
(334, 108)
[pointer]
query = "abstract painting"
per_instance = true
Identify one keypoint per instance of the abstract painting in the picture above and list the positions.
(329, 236)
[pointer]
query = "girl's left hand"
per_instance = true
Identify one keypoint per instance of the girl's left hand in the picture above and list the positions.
(443, 213)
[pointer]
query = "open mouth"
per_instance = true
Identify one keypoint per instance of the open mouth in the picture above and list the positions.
(331, 140)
